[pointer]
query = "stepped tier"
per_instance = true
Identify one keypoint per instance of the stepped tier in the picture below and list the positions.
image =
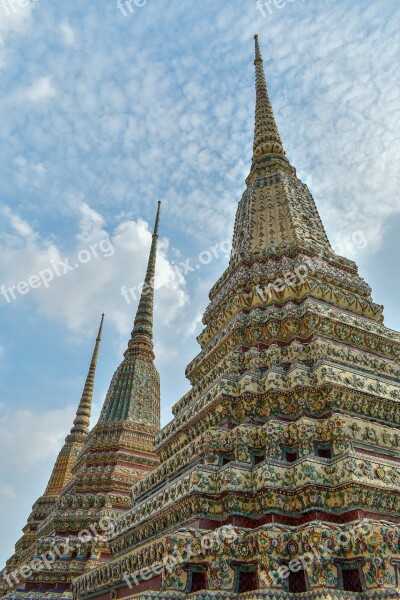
(74, 529)
(280, 471)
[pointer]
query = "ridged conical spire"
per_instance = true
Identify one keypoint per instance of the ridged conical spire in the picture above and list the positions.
(143, 325)
(266, 134)
(134, 393)
(76, 439)
(82, 419)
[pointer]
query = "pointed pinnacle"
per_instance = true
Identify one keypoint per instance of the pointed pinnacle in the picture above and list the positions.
(82, 419)
(144, 317)
(258, 56)
(267, 139)
(156, 224)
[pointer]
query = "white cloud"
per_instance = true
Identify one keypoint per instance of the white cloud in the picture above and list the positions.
(29, 443)
(67, 33)
(27, 168)
(91, 222)
(41, 90)
(14, 18)
(137, 124)
(7, 491)
(19, 225)
(93, 285)
(28, 439)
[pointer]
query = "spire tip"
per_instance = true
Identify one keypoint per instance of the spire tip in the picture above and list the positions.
(101, 326)
(144, 315)
(81, 424)
(156, 224)
(267, 139)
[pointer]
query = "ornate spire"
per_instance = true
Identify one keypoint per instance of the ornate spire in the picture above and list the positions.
(134, 393)
(76, 439)
(267, 139)
(82, 419)
(143, 325)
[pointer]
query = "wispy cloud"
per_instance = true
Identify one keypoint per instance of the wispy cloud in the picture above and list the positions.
(81, 294)
(42, 89)
(29, 438)
(68, 33)
(7, 491)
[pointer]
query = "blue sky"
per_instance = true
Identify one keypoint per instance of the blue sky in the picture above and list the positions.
(101, 115)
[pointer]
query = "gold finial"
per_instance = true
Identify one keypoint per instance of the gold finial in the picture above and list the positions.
(144, 316)
(155, 231)
(267, 139)
(82, 419)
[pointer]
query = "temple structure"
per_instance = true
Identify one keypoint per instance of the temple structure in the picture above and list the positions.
(279, 473)
(70, 525)
(62, 470)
